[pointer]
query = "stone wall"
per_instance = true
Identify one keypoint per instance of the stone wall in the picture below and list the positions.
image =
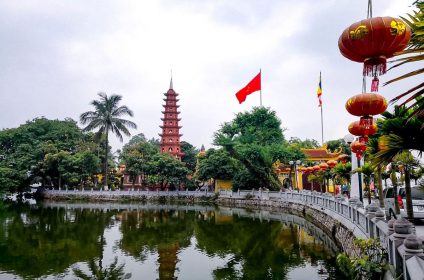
(342, 235)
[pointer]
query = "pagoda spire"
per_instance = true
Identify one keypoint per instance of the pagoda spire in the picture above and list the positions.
(170, 136)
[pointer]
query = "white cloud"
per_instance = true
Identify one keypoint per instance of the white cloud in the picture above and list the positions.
(69, 51)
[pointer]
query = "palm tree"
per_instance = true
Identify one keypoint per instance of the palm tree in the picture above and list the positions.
(401, 132)
(342, 173)
(105, 118)
(372, 150)
(414, 53)
(406, 163)
(368, 171)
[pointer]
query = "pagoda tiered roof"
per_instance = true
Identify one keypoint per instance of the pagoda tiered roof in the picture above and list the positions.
(170, 136)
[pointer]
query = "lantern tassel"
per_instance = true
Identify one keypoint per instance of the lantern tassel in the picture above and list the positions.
(375, 66)
(374, 85)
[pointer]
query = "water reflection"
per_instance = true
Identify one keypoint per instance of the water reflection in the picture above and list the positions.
(66, 241)
(35, 241)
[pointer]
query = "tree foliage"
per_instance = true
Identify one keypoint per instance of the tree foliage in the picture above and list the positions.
(255, 139)
(52, 152)
(190, 155)
(216, 164)
(167, 171)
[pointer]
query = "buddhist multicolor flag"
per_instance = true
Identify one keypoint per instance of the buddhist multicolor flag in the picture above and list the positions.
(319, 91)
(252, 86)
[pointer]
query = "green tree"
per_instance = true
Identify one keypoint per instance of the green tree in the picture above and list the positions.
(167, 171)
(367, 171)
(107, 117)
(407, 162)
(400, 133)
(137, 159)
(371, 151)
(338, 145)
(190, 155)
(216, 164)
(316, 179)
(36, 152)
(304, 144)
(253, 138)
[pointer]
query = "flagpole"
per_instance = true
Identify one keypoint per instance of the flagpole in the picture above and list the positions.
(260, 93)
(322, 129)
(322, 121)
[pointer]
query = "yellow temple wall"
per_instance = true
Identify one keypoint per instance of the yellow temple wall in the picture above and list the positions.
(223, 185)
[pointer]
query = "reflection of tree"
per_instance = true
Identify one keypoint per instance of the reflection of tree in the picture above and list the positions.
(38, 241)
(112, 272)
(164, 231)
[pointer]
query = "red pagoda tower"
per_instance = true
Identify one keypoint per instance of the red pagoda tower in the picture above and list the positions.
(170, 142)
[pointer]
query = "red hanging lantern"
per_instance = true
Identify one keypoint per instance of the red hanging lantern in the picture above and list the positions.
(372, 41)
(331, 163)
(366, 104)
(316, 168)
(323, 166)
(310, 169)
(358, 148)
(355, 128)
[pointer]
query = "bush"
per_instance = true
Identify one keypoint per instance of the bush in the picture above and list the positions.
(371, 264)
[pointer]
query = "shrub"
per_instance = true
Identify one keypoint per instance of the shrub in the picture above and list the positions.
(371, 264)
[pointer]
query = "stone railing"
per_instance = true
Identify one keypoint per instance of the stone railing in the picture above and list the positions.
(127, 194)
(405, 249)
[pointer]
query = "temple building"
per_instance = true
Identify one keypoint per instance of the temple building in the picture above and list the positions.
(170, 136)
(316, 155)
(321, 154)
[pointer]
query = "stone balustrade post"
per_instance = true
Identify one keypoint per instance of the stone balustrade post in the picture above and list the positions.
(413, 248)
(379, 216)
(402, 228)
(352, 203)
(370, 211)
(358, 205)
(340, 200)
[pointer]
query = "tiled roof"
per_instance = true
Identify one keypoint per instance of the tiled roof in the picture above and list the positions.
(320, 153)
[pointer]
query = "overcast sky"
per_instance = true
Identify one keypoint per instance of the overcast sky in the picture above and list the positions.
(56, 55)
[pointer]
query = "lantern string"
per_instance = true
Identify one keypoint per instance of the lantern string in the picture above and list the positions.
(369, 12)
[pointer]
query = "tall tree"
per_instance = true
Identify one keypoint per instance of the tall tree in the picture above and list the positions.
(256, 140)
(189, 157)
(368, 171)
(107, 117)
(407, 162)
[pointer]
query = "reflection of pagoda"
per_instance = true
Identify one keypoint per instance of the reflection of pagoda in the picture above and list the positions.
(168, 261)
(170, 142)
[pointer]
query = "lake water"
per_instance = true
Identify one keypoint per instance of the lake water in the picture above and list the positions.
(146, 241)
